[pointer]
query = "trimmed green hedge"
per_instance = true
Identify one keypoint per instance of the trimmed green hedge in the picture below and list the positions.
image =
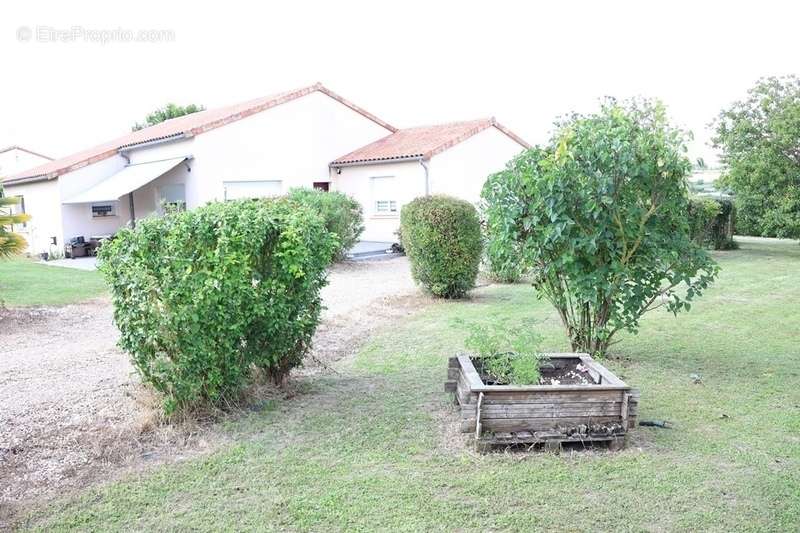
(442, 238)
(204, 297)
(342, 214)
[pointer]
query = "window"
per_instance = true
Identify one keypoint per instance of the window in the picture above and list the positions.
(19, 209)
(172, 197)
(252, 189)
(103, 210)
(384, 195)
(385, 206)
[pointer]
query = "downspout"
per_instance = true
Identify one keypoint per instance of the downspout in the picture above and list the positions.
(133, 213)
(427, 180)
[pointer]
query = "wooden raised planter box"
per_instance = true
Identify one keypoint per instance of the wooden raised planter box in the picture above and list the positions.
(602, 410)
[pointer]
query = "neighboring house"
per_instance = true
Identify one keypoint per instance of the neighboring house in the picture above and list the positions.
(14, 159)
(704, 180)
(452, 159)
(259, 148)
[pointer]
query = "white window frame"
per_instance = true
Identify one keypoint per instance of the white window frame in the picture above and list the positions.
(111, 214)
(384, 204)
(162, 193)
(19, 209)
(226, 183)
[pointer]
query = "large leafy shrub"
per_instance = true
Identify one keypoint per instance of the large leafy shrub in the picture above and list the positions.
(711, 222)
(442, 238)
(759, 137)
(342, 214)
(204, 297)
(599, 214)
(500, 207)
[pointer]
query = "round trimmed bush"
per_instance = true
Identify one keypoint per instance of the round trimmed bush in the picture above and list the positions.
(342, 214)
(204, 297)
(442, 238)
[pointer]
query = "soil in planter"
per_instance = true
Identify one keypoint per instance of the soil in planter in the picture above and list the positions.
(562, 371)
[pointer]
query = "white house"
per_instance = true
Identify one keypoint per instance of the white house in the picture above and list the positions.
(257, 148)
(452, 159)
(14, 159)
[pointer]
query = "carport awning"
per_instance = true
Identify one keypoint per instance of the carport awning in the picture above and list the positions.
(126, 180)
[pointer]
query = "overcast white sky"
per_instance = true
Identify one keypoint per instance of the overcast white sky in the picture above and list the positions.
(408, 62)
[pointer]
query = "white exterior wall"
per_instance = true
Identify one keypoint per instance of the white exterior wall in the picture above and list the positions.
(41, 201)
(462, 170)
(16, 160)
(292, 142)
(77, 218)
(356, 181)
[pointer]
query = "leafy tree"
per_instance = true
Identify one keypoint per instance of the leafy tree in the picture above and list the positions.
(600, 217)
(760, 142)
(165, 113)
(10, 243)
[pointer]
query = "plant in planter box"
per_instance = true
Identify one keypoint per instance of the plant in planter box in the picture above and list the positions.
(509, 355)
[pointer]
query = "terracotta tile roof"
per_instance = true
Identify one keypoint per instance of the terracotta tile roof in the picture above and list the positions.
(422, 142)
(185, 126)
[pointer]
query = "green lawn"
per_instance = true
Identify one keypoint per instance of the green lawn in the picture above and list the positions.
(370, 449)
(24, 282)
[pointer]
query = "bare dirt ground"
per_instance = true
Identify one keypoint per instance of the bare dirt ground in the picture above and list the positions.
(72, 409)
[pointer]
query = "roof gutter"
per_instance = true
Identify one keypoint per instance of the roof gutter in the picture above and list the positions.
(376, 161)
(164, 140)
(122, 151)
(27, 179)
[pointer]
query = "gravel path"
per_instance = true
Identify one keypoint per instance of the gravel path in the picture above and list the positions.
(72, 408)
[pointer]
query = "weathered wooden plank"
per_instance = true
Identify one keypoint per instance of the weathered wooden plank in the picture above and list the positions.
(553, 396)
(463, 392)
(469, 372)
(551, 411)
(608, 377)
(452, 362)
(530, 407)
(624, 410)
(540, 424)
(547, 388)
(633, 408)
(566, 355)
(544, 436)
(452, 373)
(450, 386)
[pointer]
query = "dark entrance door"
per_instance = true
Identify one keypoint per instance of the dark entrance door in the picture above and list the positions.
(322, 185)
